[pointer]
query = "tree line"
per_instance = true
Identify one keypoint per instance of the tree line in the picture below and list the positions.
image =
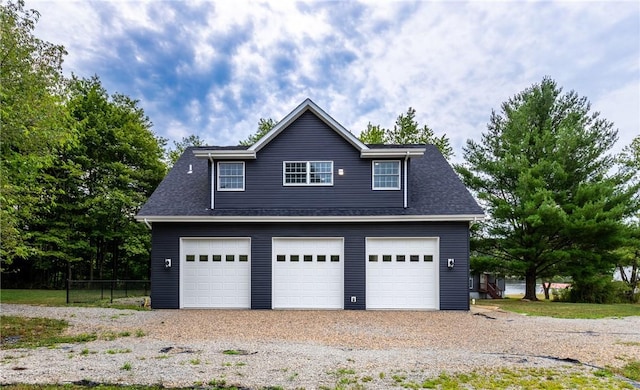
(78, 162)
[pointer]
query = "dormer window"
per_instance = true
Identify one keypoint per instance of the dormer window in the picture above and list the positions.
(231, 176)
(307, 173)
(386, 175)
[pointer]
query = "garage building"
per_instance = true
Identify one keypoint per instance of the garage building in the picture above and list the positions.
(311, 218)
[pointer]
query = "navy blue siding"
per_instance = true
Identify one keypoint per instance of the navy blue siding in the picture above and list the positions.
(454, 243)
(308, 139)
(454, 283)
(260, 268)
(165, 282)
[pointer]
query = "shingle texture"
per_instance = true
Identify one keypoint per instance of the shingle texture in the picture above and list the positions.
(434, 189)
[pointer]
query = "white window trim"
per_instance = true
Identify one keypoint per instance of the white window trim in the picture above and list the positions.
(218, 176)
(308, 173)
(373, 181)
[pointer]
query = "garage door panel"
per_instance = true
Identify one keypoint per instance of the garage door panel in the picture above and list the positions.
(208, 279)
(303, 275)
(398, 277)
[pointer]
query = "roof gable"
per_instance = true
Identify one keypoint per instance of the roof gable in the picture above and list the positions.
(366, 151)
(308, 105)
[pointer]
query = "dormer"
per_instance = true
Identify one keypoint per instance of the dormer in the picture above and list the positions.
(309, 160)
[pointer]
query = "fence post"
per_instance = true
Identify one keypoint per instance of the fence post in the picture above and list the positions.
(112, 283)
(68, 287)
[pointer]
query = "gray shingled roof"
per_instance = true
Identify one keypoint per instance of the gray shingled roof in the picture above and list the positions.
(434, 189)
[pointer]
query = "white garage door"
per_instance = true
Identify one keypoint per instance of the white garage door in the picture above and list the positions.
(215, 273)
(308, 273)
(402, 273)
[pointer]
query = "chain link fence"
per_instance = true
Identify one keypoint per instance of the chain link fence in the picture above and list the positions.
(89, 291)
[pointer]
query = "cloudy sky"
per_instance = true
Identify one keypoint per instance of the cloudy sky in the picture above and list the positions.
(213, 68)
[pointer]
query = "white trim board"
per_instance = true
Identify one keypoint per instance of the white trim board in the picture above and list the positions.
(325, 219)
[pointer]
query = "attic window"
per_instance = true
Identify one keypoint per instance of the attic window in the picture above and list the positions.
(231, 176)
(386, 175)
(308, 173)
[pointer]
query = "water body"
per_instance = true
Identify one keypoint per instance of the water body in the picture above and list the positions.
(514, 287)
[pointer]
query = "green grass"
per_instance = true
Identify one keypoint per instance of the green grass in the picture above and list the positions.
(23, 332)
(564, 309)
(525, 378)
(489, 378)
(631, 370)
(116, 351)
(56, 298)
(26, 332)
(34, 297)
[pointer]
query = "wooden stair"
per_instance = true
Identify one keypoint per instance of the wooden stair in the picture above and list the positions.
(494, 291)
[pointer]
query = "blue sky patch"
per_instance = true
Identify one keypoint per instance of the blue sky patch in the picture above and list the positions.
(214, 68)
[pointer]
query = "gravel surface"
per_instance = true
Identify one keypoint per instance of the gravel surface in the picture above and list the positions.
(309, 349)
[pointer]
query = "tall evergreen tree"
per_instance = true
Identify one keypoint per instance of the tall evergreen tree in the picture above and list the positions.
(542, 171)
(628, 254)
(373, 134)
(179, 147)
(264, 126)
(406, 130)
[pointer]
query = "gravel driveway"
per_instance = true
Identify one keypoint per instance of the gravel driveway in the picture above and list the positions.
(309, 349)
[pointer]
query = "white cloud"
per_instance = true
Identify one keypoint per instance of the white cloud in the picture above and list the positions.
(622, 106)
(74, 25)
(453, 62)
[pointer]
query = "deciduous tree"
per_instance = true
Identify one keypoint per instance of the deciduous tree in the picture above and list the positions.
(107, 176)
(35, 126)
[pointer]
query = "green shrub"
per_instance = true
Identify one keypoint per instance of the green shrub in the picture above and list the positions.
(598, 289)
(561, 295)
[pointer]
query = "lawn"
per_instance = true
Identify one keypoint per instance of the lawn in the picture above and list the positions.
(563, 309)
(59, 298)
(34, 297)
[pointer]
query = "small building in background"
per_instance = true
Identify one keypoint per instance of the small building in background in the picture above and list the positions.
(486, 286)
